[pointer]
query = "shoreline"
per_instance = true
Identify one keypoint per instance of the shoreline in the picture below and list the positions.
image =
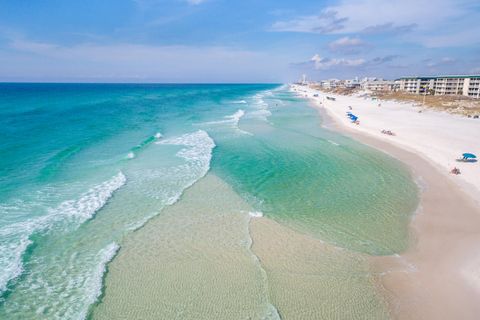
(436, 277)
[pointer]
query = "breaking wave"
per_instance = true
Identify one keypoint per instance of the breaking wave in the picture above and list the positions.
(197, 153)
(15, 238)
(142, 145)
(232, 120)
(261, 107)
(94, 282)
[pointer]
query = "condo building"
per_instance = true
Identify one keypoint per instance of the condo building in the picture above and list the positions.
(466, 85)
(379, 85)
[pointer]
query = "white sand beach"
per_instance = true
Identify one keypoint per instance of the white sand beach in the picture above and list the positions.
(439, 137)
(438, 277)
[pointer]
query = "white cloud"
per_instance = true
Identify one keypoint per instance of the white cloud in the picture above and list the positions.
(325, 22)
(324, 63)
(347, 45)
(429, 19)
(327, 63)
(424, 13)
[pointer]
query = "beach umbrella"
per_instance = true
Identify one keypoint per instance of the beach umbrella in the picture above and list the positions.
(354, 118)
(469, 156)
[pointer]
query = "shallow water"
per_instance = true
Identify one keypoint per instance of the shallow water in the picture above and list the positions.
(317, 181)
(194, 262)
(84, 166)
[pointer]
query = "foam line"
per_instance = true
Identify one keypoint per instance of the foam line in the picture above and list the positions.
(14, 238)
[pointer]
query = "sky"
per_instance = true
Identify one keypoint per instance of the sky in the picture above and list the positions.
(213, 41)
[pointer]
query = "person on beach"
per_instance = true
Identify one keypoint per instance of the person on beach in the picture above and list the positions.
(455, 171)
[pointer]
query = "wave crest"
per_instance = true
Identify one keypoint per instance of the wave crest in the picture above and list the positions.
(232, 120)
(197, 153)
(15, 238)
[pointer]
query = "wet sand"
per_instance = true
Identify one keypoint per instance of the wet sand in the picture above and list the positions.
(438, 277)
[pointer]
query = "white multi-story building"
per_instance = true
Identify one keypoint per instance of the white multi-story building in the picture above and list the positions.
(417, 84)
(471, 87)
(352, 83)
(468, 85)
(379, 85)
(330, 84)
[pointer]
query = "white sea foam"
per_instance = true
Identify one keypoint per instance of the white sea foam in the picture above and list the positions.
(81, 286)
(11, 260)
(333, 142)
(240, 102)
(197, 154)
(236, 116)
(235, 119)
(256, 214)
(91, 201)
(14, 238)
(232, 120)
(259, 102)
(262, 111)
(93, 283)
(134, 226)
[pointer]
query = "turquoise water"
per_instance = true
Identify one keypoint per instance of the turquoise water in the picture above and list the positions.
(84, 165)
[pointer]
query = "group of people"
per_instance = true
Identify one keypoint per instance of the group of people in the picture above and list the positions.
(388, 132)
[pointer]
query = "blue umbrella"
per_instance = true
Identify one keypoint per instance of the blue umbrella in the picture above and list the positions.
(469, 156)
(354, 118)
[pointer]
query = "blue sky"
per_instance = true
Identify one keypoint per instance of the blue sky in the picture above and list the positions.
(235, 41)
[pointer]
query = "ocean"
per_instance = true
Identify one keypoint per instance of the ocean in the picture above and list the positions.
(92, 175)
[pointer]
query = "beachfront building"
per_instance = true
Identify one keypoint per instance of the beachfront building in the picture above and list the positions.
(417, 85)
(471, 87)
(330, 84)
(379, 85)
(458, 85)
(352, 83)
(466, 85)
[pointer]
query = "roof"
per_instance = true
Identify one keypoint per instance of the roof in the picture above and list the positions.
(443, 77)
